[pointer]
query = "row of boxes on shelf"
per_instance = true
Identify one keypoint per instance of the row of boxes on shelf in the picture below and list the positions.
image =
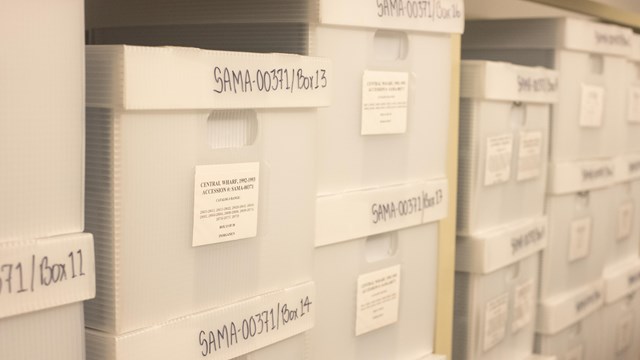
(510, 116)
(210, 174)
(46, 262)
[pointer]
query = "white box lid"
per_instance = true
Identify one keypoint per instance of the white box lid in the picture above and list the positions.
(503, 81)
(44, 273)
(570, 177)
(622, 280)
(171, 78)
(494, 249)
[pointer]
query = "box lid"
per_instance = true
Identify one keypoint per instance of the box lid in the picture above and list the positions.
(172, 78)
(503, 81)
(622, 279)
(494, 249)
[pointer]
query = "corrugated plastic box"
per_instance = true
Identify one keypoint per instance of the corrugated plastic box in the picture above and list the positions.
(200, 178)
(504, 141)
(582, 340)
(41, 119)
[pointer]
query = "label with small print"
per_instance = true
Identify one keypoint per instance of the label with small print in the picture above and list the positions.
(633, 105)
(37, 275)
(624, 333)
(580, 238)
(576, 353)
(378, 299)
(225, 203)
(625, 220)
(495, 321)
(523, 305)
(498, 159)
(252, 324)
(385, 97)
(591, 106)
(529, 155)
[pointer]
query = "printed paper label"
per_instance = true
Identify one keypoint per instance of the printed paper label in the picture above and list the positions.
(580, 239)
(529, 155)
(40, 274)
(385, 96)
(523, 305)
(498, 159)
(625, 220)
(495, 321)
(633, 105)
(624, 333)
(576, 353)
(377, 299)
(591, 106)
(225, 203)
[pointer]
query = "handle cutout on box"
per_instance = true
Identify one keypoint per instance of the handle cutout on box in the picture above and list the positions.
(229, 129)
(381, 246)
(517, 115)
(582, 200)
(596, 63)
(390, 45)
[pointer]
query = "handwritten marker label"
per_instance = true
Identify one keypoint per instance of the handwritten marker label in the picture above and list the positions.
(591, 106)
(497, 168)
(385, 98)
(40, 274)
(495, 321)
(225, 203)
(288, 80)
(378, 299)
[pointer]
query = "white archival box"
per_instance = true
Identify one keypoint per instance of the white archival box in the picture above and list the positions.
(169, 139)
(496, 291)
(388, 119)
(504, 140)
(590, 59)
(55, 333)
(41, 119)
(342, 330)
(580, 228)
(624, 210)
(582, 340)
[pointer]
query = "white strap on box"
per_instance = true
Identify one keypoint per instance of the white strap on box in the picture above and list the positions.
(44, 273)
(356, 214)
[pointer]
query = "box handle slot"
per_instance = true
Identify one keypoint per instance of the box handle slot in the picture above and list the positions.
(232, 128)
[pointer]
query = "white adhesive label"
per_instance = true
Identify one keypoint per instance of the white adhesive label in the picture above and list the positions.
(633, 105)
(576, 353)
(225, 201)
(377, 299)
(523, 305)
(591, 106)
(498, 159)
(580, 239)
(529, 155)
(385, 96)
(495, 321)
(625, 220)
(624, 333)
(41, 274)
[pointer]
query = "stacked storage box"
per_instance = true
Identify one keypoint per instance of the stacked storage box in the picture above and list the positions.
(204, 234)
(583, 205)
(381, 176)
(504, 132)
(46, 262)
